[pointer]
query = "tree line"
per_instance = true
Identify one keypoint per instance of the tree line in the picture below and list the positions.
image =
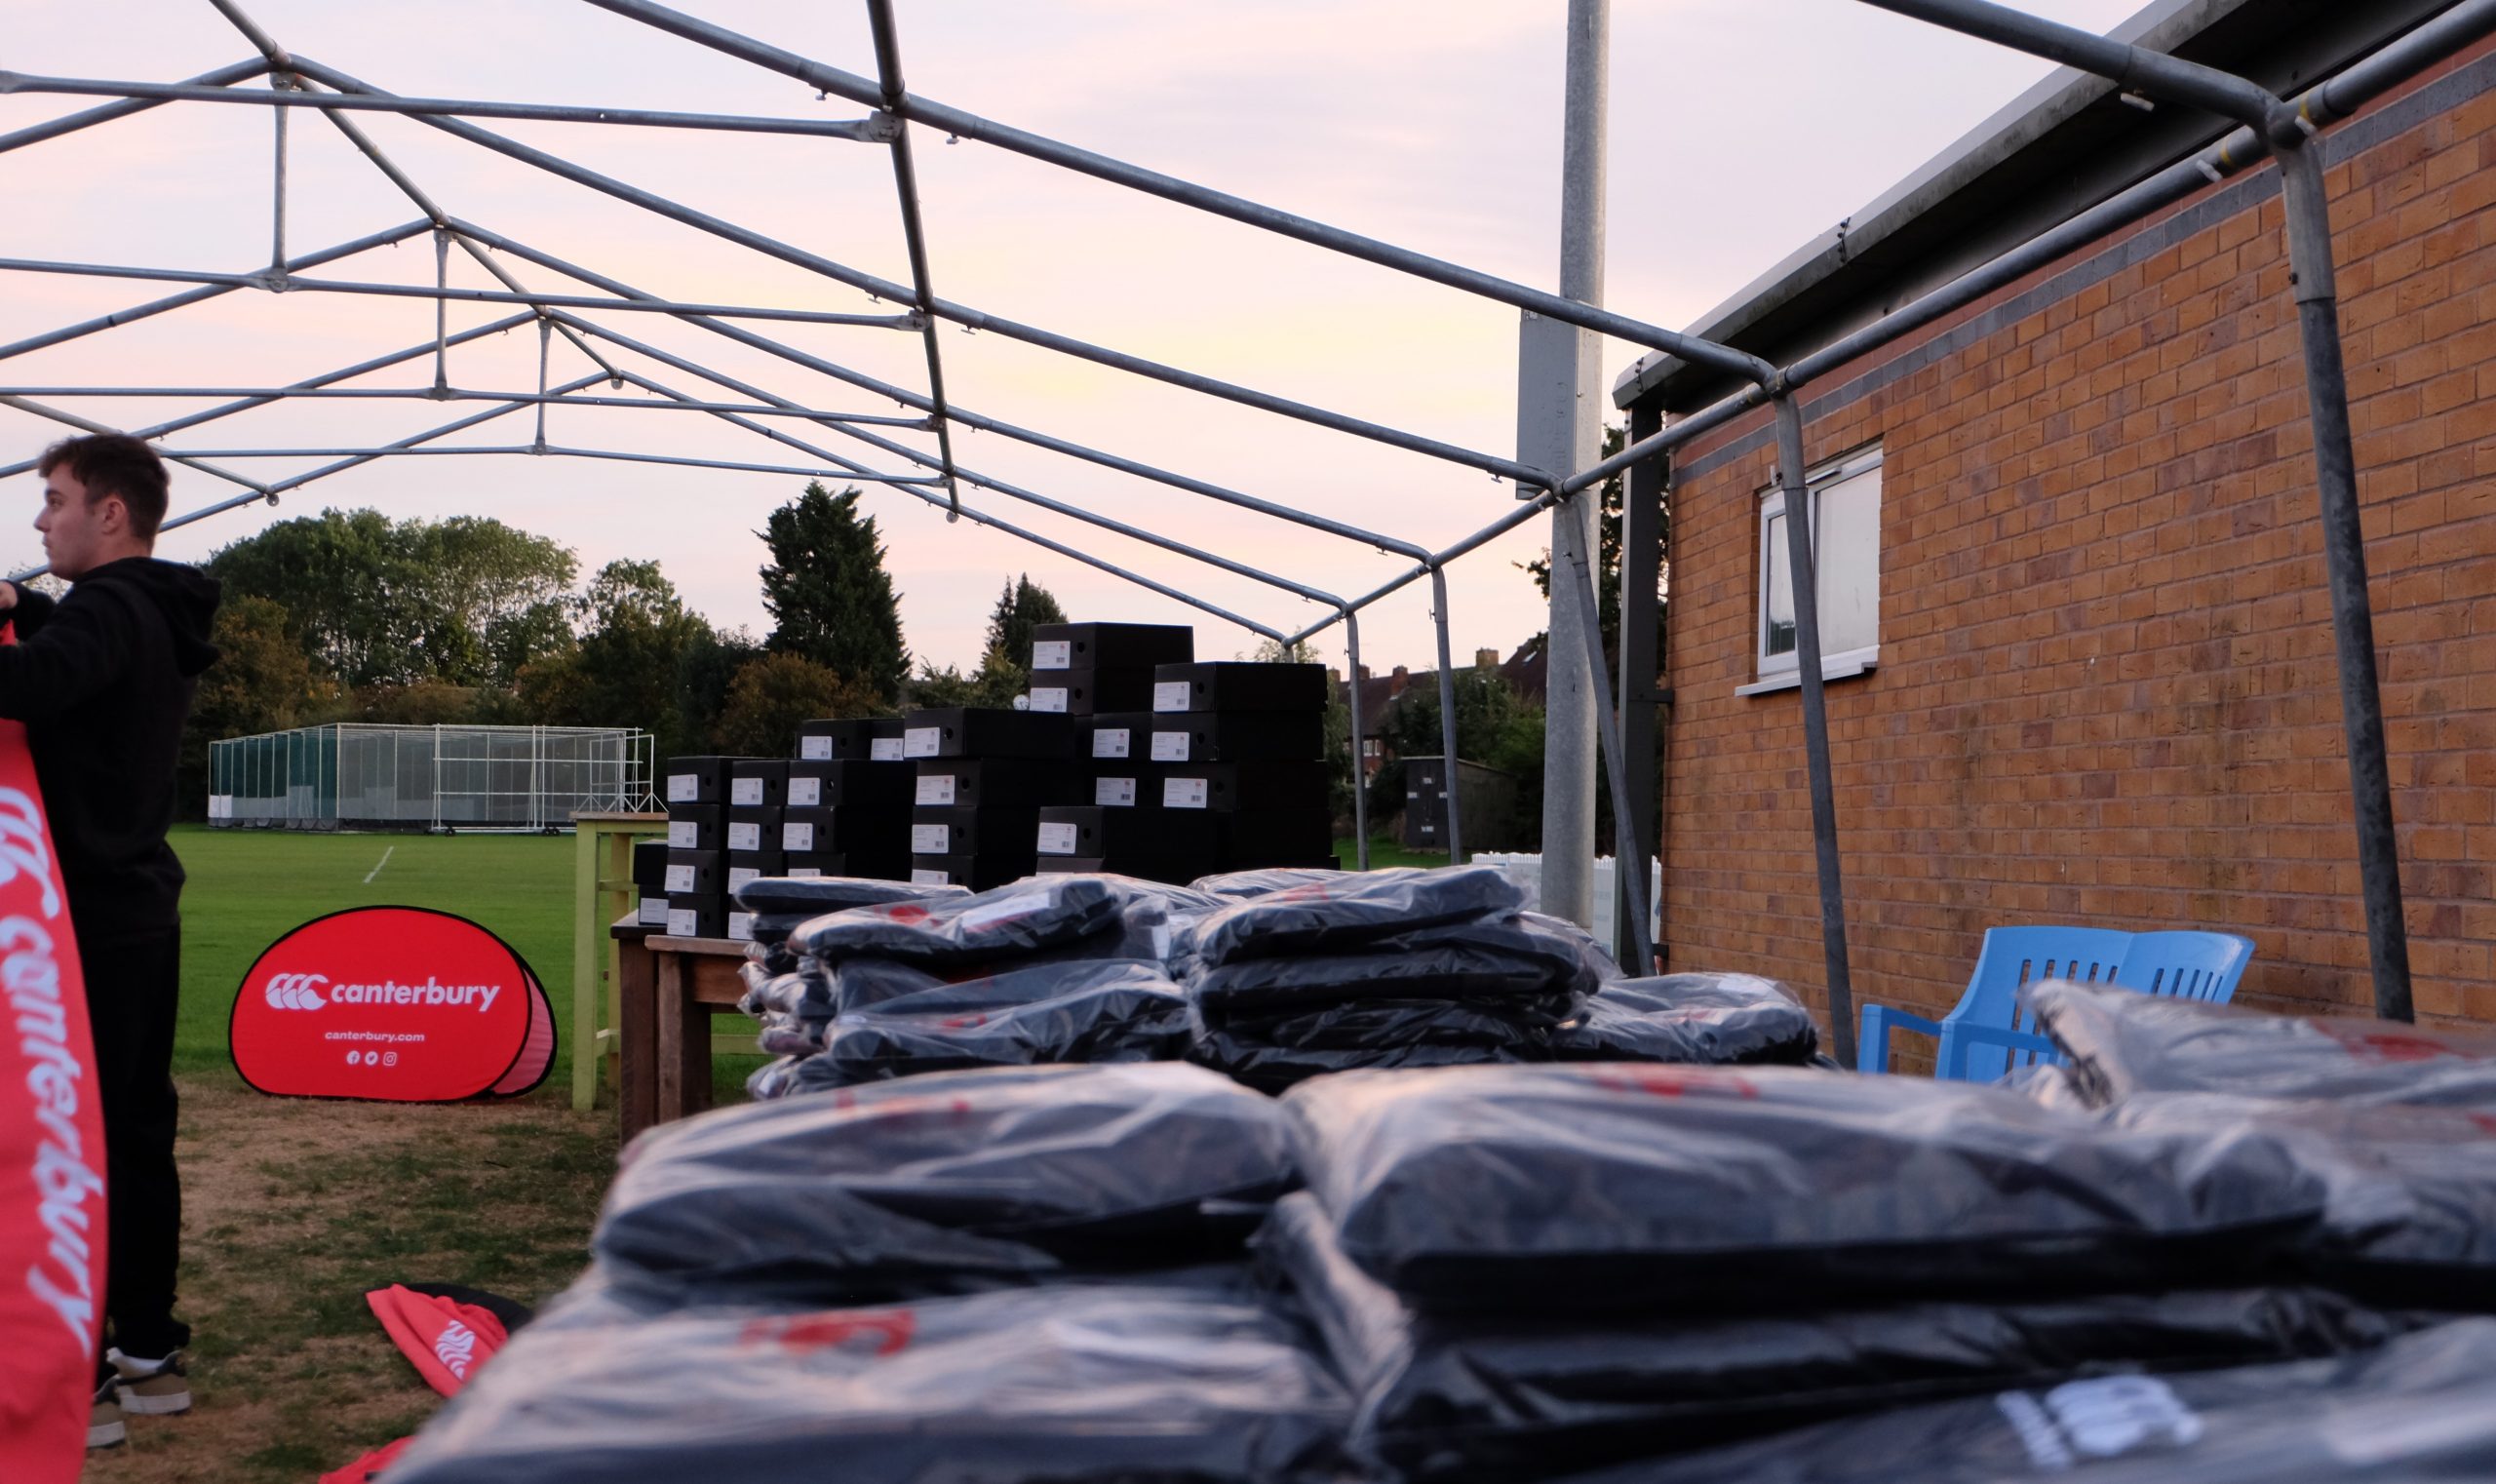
(352, 616)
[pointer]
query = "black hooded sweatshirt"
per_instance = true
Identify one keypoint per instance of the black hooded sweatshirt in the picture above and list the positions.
(102, 680)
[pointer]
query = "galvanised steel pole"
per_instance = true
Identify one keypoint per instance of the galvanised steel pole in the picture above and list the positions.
(1446, 717)
(914, 232)
(1629, 866)
(1642, 513)
(36, 134)
(1360, 768)
(1792, 480)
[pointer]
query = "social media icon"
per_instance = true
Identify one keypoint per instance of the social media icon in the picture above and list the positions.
(389, 1058)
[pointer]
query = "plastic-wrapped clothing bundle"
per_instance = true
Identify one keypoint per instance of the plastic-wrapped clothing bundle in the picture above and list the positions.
(1239, 885)
(1057, 1386)
(775, 1078)
(1276, 1053)
(951, 1182)
(1030, 914)
(799, 992)
(2412, 1212)
(1719, 1019)
(796, 1035)
(812, 896)
(1336, 916)
(1496, 1398)
(2422, 1407)
(1107, 1011)
(1490, 961)
(1596, 959)
(2122, 1043)
(2049, 1084)
(1770, 1188)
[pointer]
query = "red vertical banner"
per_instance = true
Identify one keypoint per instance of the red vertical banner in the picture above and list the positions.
(52, 1150)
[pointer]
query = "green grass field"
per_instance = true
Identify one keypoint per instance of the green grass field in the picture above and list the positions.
(249, 886)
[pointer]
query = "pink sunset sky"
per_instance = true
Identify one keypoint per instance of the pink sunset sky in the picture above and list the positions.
(1739, 127)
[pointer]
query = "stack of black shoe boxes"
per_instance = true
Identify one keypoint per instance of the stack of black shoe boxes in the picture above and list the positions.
(698, 842)
(1239, 748)
(845, 810)
(650, 882)
(1101, 675)
(983, 775)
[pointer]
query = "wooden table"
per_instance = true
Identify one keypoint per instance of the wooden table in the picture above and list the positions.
(670, 988)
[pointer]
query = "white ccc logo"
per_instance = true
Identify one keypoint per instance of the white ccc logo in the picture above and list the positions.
(295, 992)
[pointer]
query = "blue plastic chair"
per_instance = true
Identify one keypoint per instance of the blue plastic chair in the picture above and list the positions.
(1993, 1029)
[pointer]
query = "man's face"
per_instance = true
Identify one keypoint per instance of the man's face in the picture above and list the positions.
(76, 530)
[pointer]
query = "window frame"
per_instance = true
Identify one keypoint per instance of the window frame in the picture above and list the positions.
(1780, 672)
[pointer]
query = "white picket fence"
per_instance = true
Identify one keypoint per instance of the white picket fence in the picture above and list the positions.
(1527, 872)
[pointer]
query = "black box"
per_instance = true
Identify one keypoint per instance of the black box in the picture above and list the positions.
(846, 830)
(1097, 832)
(698, 916)
(863, 739)
(1114, 735)
(1141, 867)
(652, 911)
(1110, 646)
(988, 732)
(973, 832)
(979, 873)
(742, 869)
(695, 780)
(876, 865)
(865, 786)
(695, 874)
(1225, 787)
(1126, 786)
(757, 783)
(1086, 693)
(650, 866)
(1258, 837)
(753, 830)
(1238, 686)
(998, 783)
(697, 827)
(1239, 736)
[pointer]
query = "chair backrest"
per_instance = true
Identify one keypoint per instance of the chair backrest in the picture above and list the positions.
(2184, 965)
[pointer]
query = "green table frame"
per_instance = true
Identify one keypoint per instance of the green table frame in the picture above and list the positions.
(602, 891)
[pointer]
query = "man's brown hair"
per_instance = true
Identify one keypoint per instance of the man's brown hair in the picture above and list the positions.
(115, 464)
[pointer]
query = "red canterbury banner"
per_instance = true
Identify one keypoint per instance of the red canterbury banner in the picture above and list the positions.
(399, 1005)
(52, 1150)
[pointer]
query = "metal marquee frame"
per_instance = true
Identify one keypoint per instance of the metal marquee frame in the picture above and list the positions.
(2284, 129)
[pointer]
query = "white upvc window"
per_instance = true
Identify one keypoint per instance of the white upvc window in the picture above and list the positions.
(1844, 497)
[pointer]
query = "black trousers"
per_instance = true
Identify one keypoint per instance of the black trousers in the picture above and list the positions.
(133, 984)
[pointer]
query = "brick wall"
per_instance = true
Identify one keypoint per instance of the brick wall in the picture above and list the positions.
(2107, 693)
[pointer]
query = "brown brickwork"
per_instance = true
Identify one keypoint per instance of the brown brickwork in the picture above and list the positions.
(2106, 691)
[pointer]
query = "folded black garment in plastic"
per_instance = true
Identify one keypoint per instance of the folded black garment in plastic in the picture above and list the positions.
(1600, 966)
(775, 1078)
(1140, 934)
(812, 896)
(1058, 1385)
(1770, 1188)
(800, 992)
(1485, 961)
(1720, 1019)
(945, 1183)
(2412, 1212)
(1491, 1397)
(1239, 885)
(1274, 1053)
(799, 1035)
(1037, 912)
(2427, 1399)
(1094, 1013)
(2120, 1043)
(1336, 916)
(2049, 1084)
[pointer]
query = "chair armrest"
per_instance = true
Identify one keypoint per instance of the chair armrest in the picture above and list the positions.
(1872, 1053)
(1954, 1046)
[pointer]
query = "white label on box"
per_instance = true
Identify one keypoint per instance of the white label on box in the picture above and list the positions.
(654, 912)
(683, 922)
(936, 788)
(738, 875)
(1050, 698)
(804, 793)
(1182, 793)
(683, 787)
(1056, 839)
(929, 840)
(745, 793)
(683, 835)
(1171, 695)
(1108, 742)
(815, 748)
(1113, 793)
(799, 837)
(888, 750)
(741, 926)
(805, 871)
(744, 835)
(920, 876)
(680, 879)
(921, 741)
(1052, 655)
(1170, 746)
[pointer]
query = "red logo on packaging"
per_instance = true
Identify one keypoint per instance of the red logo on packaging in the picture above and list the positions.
(399, 1004)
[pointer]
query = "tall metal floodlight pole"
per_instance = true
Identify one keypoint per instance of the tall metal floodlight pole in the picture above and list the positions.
(1560, 428)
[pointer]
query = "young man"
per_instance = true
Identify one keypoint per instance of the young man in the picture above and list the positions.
(102, 679)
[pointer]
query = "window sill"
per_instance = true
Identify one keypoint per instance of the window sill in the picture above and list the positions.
(1837, 667)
